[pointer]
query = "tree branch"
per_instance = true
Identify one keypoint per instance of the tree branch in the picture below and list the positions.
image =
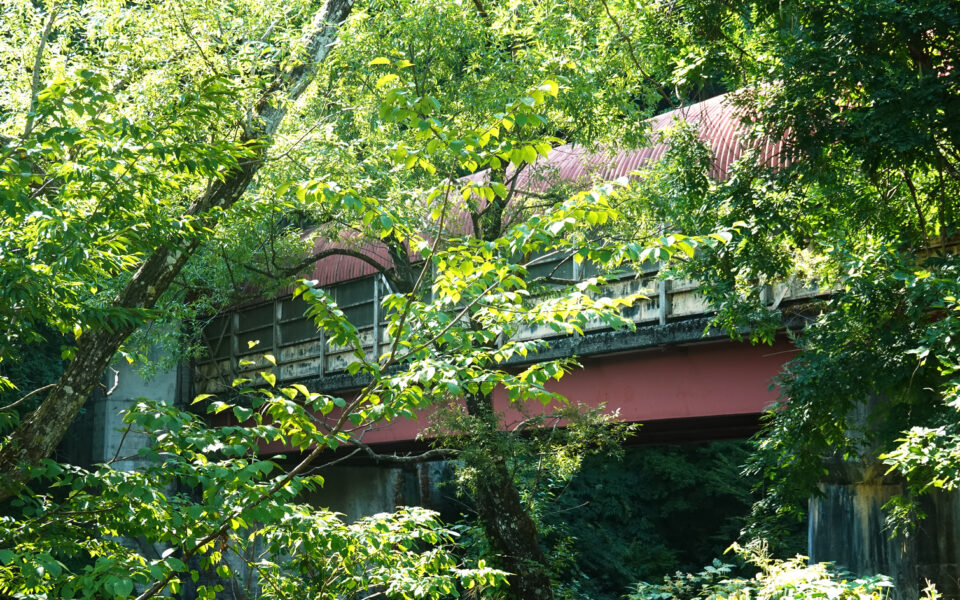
(34, 86)
(482, 11)
(408, 459)
(317, 256)
(37, 67)
(633, 56)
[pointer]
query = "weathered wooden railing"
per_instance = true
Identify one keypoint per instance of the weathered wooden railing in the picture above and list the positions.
(237, 341)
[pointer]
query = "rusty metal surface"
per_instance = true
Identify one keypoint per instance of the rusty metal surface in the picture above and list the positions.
(716, 122)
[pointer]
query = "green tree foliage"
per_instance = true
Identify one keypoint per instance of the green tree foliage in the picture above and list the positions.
(111, 127)
(132, 134)
(421, 94)
(127, 154)
(862, 200)
(437, 353)
(202, 503)
(116, 167)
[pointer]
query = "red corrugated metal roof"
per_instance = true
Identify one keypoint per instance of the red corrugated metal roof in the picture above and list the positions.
(716, 121)
(340, 267)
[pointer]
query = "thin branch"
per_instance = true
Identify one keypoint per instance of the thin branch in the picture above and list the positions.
(116, 382)
(453, 321)
(123, 438)
(568, 509)
(226, 264)
(482, 11)
(306, 262)
(296, 143)
(916, 206)
(416, 286)
(185, 28)
(34, 86)
(325, 465)
(536, 481)
(535, 195)
(276, 587)
(633, 57)
(409, 458)
(21, 400)
(37, 67)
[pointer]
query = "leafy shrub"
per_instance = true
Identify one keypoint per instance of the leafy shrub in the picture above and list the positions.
(792, 579)
(205, 511)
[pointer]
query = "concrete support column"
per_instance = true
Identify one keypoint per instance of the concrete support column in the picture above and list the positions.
(363, 490)
(95, 437)
(847, 527)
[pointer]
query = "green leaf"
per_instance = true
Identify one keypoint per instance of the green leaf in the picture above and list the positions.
(241, 413)
(529, 154)
(123, 587)
(685, 248)
(175, 564)
(386, 80)
(722, 236)
(550, 87)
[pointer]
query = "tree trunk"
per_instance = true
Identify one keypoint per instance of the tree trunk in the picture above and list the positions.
(511, 530)
(506, 520)
(41, 432)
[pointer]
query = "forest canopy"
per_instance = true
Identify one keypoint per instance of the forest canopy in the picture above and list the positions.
(162, 160)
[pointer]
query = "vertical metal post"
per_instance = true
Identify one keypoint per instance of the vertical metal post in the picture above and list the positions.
(323, 353)
(376, 317)
(664, 289)
(277, 307)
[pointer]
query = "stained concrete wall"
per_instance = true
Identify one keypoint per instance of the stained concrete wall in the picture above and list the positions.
(847, 527)
(96, 435)
(938, 548)
(362, 490)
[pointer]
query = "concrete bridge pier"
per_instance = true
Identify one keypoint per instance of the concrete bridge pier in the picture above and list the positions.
(847, 527)
(97, 434)
(360, 489)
